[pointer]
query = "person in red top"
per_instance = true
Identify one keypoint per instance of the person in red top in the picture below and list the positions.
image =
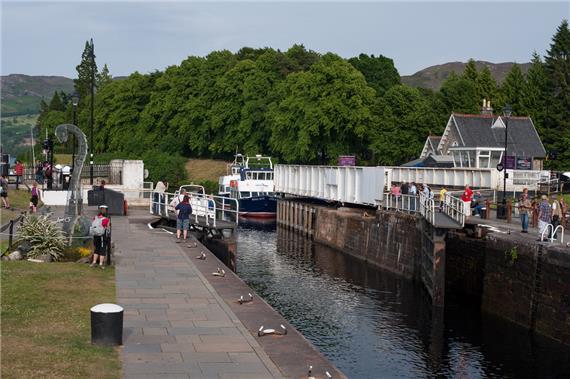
(466, 197)
(19, 173)
(99, 228)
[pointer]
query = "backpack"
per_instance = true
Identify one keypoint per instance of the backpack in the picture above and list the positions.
(97, 228)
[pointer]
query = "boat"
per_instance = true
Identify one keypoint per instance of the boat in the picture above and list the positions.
(253, 187)
(233, 173)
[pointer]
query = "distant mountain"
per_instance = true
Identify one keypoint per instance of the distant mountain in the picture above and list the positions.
(434, 76)
(21, 94)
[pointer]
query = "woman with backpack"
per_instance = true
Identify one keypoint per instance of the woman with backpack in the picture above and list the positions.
(98, 229)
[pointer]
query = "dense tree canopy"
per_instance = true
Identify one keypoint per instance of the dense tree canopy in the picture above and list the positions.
(300, 106)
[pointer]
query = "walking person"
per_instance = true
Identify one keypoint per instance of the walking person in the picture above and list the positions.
(4, 191)
(442, 193)
(544, 216)
(525, 206)
(19, 174)
(183, 212)
(36, 196)
(98, 230)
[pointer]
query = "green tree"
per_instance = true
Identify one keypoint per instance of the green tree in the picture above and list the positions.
(534, 98)
(104, 77)
(458, 94)
(557, 118)
(324, 112)
(85, 70)
(55, 103)
(301, 58)
(513, 90)
(379, 71)
(487, 87)
(470, 71)
(404, 119)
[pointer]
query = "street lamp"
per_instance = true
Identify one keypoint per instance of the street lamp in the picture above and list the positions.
(91, 145)
(507, 111)
(75, 103)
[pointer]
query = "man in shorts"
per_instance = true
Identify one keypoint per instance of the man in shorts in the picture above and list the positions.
(183, 212)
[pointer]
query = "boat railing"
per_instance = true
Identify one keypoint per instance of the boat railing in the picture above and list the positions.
(210, 207)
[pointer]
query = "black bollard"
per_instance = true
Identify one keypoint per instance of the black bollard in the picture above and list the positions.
(107, 324)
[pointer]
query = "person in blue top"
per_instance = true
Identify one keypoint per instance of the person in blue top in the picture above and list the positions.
(183, 212)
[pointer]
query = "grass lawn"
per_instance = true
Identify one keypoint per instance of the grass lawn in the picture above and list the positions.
(46, 330)
(206, 169)
(19, 201)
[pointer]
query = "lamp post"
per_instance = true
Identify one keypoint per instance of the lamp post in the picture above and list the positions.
(507, 111)
(91, 145)
(75, 103)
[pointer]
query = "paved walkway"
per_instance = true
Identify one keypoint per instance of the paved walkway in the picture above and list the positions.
(176, 326)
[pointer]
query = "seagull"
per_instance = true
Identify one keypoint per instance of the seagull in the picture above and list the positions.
(202, 256)
(219, 272)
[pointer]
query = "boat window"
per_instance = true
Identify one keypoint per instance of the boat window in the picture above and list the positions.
(228, 189)
(261, 176)
(269, 176)
(245, 194)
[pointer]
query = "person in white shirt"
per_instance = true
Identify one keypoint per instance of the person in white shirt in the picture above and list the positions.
(158, 197)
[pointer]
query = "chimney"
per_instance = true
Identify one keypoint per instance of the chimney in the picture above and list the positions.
(486, 109)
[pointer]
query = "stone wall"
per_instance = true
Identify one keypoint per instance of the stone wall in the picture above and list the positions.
(517, 279)
(388, 240)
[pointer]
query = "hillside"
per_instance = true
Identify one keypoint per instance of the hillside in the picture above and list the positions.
(21, 94)
(434, 76)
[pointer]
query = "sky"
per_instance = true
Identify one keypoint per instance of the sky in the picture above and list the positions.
(47, 38)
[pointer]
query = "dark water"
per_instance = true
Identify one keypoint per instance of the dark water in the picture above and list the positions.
(373, 324)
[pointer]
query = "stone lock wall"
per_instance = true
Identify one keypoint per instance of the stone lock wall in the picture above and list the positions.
(524, 282)
(388, 240)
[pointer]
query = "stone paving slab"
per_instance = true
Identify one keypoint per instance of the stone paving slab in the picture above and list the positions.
(174, 323)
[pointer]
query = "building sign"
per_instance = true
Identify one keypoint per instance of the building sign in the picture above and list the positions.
(347, 160)
(510, 162)
(524, 163)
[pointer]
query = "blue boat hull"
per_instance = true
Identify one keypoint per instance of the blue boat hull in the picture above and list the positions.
(258, 206)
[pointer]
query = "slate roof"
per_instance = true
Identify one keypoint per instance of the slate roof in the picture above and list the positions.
(434, 141)
(522, 138)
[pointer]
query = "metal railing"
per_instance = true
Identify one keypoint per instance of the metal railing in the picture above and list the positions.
(211, 207)
(405, 203)
(553, 233)
(427, 208)
(454, 207)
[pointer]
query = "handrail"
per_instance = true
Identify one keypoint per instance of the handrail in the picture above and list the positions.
(407, 203)
(427, 208)
(554, 231)
(454, 207)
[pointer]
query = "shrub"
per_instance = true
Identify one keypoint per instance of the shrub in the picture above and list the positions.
(44, 236)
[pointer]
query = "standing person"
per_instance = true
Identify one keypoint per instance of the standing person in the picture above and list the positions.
(563, 211)
(466, 198)
(442, 193)
(525, 206)
(39, 172)
(413, 192)
(158, 196)
(35, 197)
(4, 191)
(534, 204)
(478, 203)
(183, 212)
(404, 189)
(544, 216)
(98, 230)
(19, 173)
(48, 173)
(556, 213)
